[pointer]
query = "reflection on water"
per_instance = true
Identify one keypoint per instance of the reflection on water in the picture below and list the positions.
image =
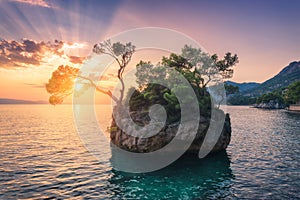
(189, 177)
(41, 156)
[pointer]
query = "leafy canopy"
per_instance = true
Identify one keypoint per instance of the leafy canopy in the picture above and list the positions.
(230, 89)
(196, 66)
(292, 94)
(61, 83)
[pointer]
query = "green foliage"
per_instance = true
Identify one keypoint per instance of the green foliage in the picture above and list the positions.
(196, 66)
(241, 100)
(292, 94)
(287, 76)
(225, 65)
(155, 94)
(272, 96)
(170, 98)
(278, 83)
(230, 89)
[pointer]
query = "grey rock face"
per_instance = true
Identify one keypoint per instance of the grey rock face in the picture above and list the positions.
(142, 145)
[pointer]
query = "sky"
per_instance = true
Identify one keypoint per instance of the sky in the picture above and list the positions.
(36, 36)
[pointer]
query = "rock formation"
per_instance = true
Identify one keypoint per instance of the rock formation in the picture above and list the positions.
(135, 144)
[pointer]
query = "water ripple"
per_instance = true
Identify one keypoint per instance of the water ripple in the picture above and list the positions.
(41, 157)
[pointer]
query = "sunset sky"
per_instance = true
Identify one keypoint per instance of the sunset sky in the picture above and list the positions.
(36, 36)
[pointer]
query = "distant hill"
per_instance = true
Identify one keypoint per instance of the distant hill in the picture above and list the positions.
(18, 101)
(288, 75)
(243, 86)
(248, 95)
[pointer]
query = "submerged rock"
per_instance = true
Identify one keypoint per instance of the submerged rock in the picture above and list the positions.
(167, 133)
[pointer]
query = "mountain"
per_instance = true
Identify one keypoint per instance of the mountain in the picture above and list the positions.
(248, 96)
(243, 86)
(288, 75)
(18, 101)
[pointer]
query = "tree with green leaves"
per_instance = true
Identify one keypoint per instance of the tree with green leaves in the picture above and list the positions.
(197, 67)
(275, 96)
(292, 94)
(230, 89)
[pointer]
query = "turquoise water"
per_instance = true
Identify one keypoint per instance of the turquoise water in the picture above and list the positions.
(41, 157)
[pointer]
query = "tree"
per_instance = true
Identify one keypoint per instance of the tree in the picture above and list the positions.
(208, 66)
(225, 65)
(230, 89)
(292, 94)
(61, 84)
(272, 96)
(196, 66)
(240, 99)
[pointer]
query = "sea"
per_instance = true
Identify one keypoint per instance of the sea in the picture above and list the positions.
(42, 157)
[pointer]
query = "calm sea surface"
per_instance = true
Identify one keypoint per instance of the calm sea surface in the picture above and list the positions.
(41, 156)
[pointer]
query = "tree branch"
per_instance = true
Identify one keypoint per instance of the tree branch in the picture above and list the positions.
(99, 89)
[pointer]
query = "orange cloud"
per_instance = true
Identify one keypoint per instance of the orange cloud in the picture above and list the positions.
(76, 59)
(14, 54)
